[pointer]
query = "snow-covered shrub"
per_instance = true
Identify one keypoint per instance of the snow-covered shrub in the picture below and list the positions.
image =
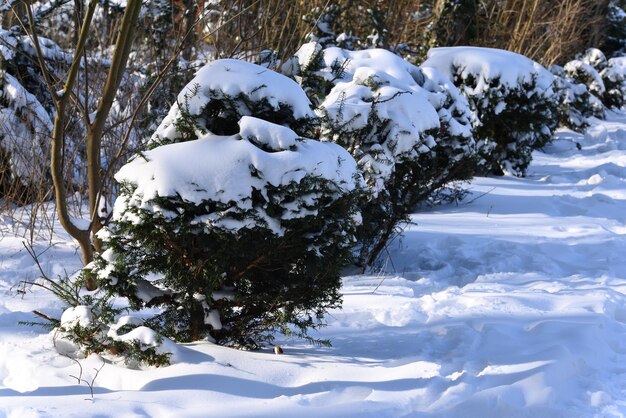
(605, 79)
(584, 73)
(25, 130)
(576, 103)
(593, 57)
(90, 323)
(614, 78)
(615, 40)
(513, 98)
(233, 236)
(408, 129)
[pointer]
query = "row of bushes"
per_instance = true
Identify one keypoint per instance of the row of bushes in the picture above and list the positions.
(236, 224)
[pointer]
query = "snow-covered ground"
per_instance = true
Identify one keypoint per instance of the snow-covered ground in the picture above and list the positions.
(511, 303)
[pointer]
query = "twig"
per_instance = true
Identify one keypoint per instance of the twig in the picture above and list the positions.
(390, 260)
(80, 370)
(79, 378)
(46, 317)
(93, 380)
(478, 197)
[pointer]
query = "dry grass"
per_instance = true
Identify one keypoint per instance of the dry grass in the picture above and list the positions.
(547, 31)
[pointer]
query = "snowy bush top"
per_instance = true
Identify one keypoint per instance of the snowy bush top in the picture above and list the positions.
(593, 57)
(225, 90)
(374, 107)
(407, 115)
(617, 65)
(230, 169)
(341, 64)
(408, 109)
(382, 67)
(585, 73)
(486, 65)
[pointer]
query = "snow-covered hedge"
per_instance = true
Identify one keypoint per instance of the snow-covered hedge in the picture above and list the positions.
(233, 236)
(512, 96)
(409, 129)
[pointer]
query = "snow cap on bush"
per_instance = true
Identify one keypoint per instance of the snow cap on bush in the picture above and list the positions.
(584, 73)
(229, 170)
(486, 65)
(593, 57)
(225, 90)
(513, 97)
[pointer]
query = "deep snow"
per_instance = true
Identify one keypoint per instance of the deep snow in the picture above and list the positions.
(511, 303)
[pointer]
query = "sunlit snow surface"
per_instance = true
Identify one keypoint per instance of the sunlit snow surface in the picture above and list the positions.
(510, 304)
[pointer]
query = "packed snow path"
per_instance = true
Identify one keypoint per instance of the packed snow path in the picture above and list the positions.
(511, 303)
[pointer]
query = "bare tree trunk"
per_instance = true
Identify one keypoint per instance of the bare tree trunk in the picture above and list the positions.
(95, 126)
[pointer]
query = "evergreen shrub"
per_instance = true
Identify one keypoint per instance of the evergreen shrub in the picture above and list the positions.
(408, 129)
(576, 103)
(233, 237)
(513, 98)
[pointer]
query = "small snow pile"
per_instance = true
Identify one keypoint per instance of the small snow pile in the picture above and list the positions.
(409, 129)
(234, 236)
(225, 90)
(513, 97)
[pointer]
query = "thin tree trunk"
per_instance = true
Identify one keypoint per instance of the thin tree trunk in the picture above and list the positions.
(96, 128)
